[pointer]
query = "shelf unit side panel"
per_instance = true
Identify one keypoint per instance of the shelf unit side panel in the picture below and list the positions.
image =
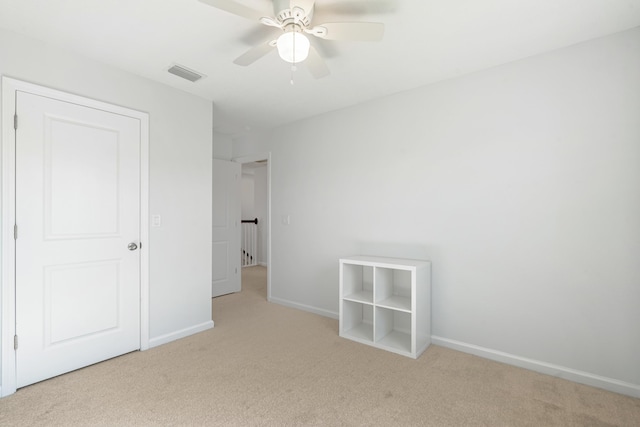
(340, 294)
(422, 307)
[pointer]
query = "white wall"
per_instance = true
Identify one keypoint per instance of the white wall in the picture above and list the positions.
(520, 183)
(222, 146)
(180, 173)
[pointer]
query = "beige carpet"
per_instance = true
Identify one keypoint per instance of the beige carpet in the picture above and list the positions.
(265, 364)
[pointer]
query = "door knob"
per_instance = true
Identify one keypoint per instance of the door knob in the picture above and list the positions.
(132, 246)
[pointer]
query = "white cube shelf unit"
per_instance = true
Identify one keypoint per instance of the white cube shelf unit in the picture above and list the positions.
(386, 303)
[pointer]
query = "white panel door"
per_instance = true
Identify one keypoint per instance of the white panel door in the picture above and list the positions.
(226, 227)
(77, 210)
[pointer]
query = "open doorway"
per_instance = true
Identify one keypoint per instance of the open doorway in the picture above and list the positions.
(255, 213)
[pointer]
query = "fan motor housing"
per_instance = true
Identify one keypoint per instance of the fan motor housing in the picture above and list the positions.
(283, 11)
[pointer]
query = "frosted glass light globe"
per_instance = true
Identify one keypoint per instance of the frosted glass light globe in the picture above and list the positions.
(293, 47)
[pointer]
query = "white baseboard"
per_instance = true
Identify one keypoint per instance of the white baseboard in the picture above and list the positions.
(303, 307)
(558, 371)
(263, 264)
(167, 338)
(542, 367)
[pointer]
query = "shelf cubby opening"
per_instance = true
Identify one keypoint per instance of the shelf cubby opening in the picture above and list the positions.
(393, 329)
(357, 283)
(393, 288)
(357, 320)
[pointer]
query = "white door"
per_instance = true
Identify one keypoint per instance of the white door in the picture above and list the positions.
(226, 228)
(77, 210)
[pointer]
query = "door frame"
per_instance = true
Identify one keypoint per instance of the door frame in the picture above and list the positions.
(251, 159)
(7, 286)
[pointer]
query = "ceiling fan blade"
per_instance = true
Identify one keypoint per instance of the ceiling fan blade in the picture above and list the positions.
(255, 53)
(358, 8)
(357, 31)
(307, 5)
(235, 8)
(270, 22)
(316, 65)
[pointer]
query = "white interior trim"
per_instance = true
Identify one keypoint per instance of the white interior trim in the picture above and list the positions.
(251, 159)
(315, 310)
(7, 291)
(574, 375)
(183, 333)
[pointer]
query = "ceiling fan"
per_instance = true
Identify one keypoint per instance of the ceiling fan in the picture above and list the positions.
(294, 19)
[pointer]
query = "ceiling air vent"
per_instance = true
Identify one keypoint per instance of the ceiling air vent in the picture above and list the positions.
(185, 73)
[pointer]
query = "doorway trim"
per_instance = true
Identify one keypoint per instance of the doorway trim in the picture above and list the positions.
(8, 157)
(251, 159)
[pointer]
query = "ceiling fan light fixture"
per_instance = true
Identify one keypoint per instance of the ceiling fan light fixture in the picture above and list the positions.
(293, 47)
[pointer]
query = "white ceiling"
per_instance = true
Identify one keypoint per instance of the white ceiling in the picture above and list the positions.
(425, 41)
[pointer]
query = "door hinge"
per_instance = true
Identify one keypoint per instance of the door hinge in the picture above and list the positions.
(15, 121)
(15, 342)
(15, 231)
(140, 245)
